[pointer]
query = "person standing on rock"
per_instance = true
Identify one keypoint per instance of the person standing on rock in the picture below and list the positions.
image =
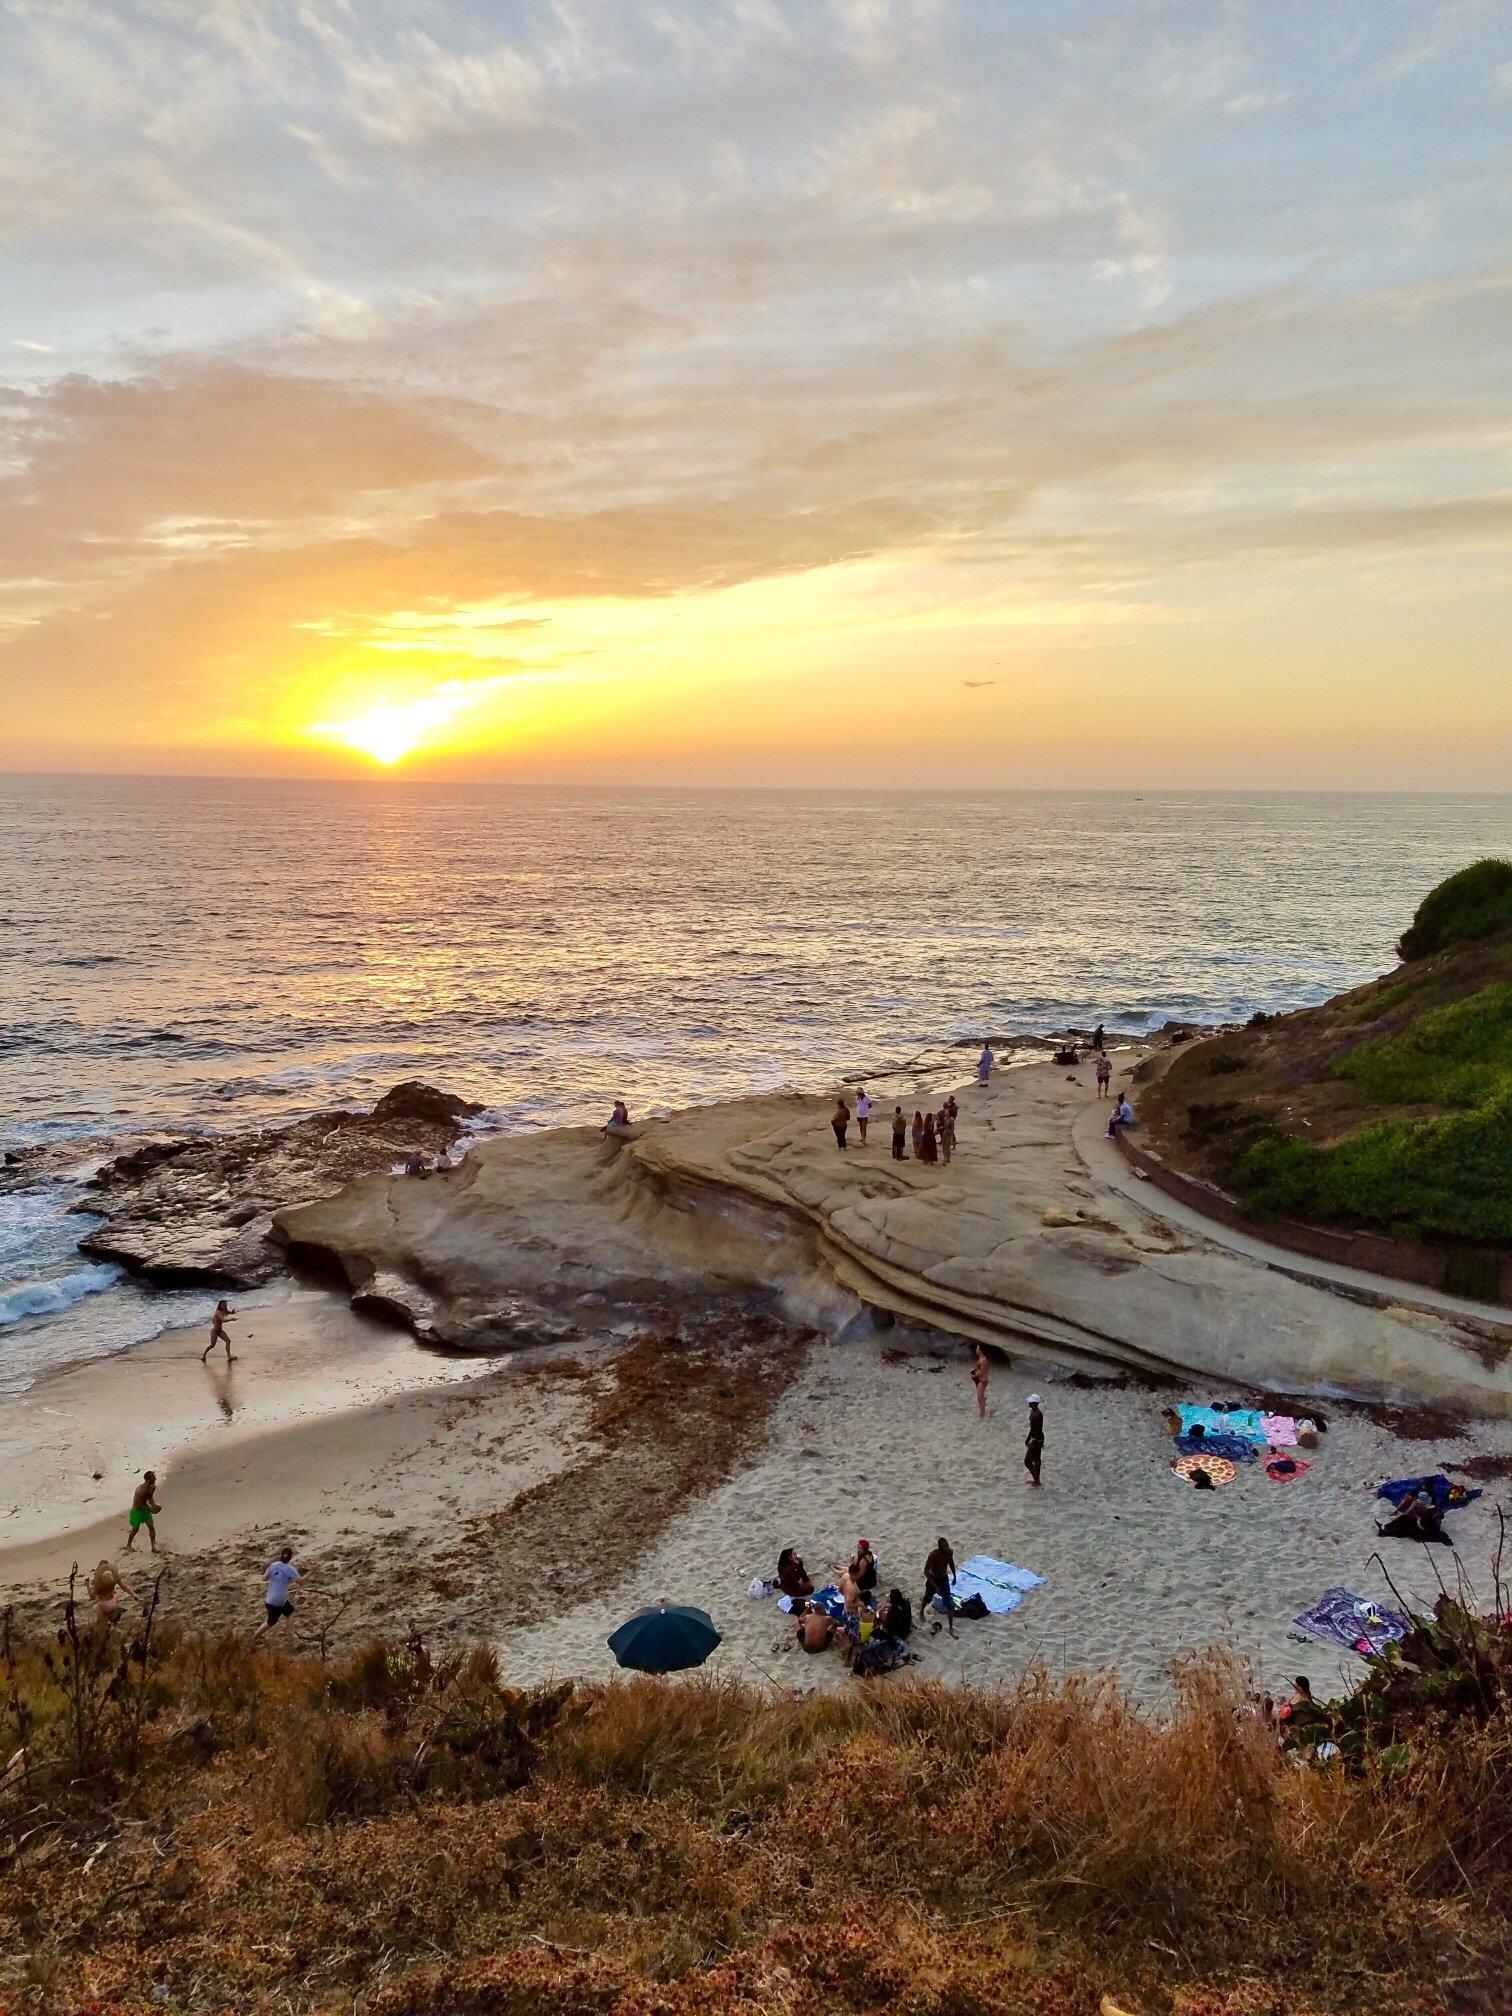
(945, 1132)
(1097, 1038)
(143, 1505)
(840, 1120)
(219, 1333)
(1034, 1441)
(918, 1133)
(863, 1112)
(985, 1063)
(899, 1133)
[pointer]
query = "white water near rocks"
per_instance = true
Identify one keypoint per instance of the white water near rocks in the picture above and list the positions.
(212, 955)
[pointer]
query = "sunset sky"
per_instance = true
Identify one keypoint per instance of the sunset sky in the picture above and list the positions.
(1013, 392)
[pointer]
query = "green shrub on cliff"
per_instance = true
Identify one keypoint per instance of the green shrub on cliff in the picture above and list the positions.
(1469, 905)
(1448, 1176)
(1459, 1055)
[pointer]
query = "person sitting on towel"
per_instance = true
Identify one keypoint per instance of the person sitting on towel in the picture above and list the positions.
(815, 1629)
(792, 1577)
(863, 1568)
(1201, 1480)
(895, 1615)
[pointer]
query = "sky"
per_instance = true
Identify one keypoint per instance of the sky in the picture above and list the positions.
(966, 392)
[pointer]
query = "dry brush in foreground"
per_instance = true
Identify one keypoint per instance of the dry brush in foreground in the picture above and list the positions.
(204, 1826)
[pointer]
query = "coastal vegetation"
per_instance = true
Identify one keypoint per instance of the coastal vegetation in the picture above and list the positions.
(1389, 1108)
(189, 1823)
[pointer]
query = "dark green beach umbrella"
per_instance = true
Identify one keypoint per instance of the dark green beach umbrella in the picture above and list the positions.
(665, 1639)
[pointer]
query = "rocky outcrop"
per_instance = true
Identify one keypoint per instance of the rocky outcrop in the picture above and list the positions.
(1022, 1241)
(180, 1212)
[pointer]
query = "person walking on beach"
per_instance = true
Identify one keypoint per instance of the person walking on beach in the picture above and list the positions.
(899, 1133)
(985, 1063)
(840, 1120)
(929, 1146)
(143, 1505)
(280, 1577)
(863, 1112)
(981, 1372)
(1104, 1075)
(218, 1331)
(939, 1573)
(1034, 1441)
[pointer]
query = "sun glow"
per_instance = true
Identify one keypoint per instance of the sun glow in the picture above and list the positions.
(388, 730)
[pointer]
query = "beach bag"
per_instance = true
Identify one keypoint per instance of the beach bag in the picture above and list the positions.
(975, 1605)
(899, 1614)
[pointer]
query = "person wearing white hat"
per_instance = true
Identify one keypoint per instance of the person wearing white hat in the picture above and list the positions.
(1034, 1441)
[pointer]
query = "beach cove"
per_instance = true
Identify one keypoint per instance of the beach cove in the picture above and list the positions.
(728, 1337)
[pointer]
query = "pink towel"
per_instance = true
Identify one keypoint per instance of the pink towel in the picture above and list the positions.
(1279, 1430)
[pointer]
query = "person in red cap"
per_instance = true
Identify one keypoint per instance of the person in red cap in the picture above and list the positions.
(863, 1569)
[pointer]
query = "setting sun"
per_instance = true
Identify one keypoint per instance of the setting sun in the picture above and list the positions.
(388, 730)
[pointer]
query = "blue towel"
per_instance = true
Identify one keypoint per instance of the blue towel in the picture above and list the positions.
(1246, 1421)
(1349, 1620)
(1237, 1448)
(828, 1599)
(1446, 1496)
(1001, 1586)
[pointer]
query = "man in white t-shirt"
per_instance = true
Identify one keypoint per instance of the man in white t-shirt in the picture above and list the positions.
(281, 1577)
(863, 1112)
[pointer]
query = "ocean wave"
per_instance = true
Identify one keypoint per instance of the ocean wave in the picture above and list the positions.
(27, 1299)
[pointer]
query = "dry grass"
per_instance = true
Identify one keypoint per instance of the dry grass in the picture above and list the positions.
(384, 1834)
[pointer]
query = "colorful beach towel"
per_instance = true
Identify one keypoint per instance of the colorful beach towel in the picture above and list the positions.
(1353, 1622)
(1280, 1430)
(1218, 1468)
(1246, 1421)
(1447, 1497)
(1285, 1469)
(1237, 1448)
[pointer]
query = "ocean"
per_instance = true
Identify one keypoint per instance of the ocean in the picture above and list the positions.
(206, 955)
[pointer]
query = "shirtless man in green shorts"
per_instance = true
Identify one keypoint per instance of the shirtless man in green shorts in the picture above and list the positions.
(143, 1505)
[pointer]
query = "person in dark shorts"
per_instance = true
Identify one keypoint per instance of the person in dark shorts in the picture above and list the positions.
(899, 1133)
(939, 1573)
(281, 1576)
(840, 1120)
(1034, 1441)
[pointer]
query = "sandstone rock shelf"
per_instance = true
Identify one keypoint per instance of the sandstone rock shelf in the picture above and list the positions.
(1019, 1241)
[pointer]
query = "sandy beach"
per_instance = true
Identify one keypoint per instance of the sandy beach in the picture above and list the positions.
(537, 1498)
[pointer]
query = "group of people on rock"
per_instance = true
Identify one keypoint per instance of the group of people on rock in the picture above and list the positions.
(933, 1134)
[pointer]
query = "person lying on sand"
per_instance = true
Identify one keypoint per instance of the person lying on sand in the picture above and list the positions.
(816, 1631)
(939, 1573)
(143, 1505)
(218, 1331)
(793, 1578)
(1416, 1518)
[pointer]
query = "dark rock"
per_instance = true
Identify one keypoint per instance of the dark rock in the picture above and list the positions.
(415, 1100)
(200, 1210)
